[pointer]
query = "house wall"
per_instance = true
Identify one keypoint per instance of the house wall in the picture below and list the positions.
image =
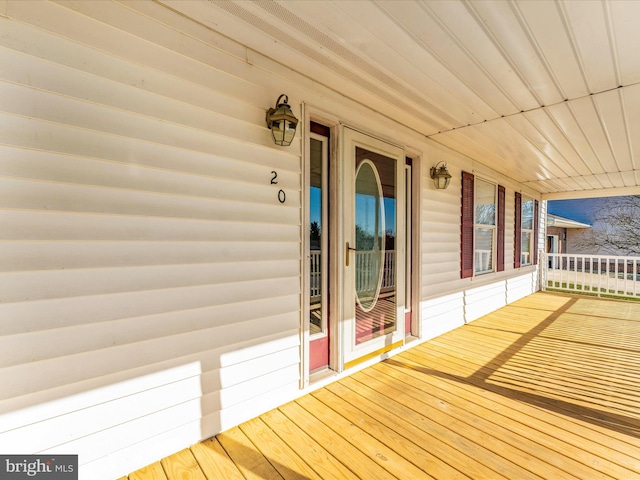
(578, 237)
(574, 239)
(446, 300)
(562, 235)
(150, 279)
(571, 240)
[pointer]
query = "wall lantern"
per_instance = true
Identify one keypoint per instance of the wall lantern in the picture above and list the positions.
(441, 176)
(282, 122)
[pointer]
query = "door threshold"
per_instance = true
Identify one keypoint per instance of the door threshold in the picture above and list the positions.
(321, 374)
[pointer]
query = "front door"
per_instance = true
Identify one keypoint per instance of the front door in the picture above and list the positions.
(373, 247)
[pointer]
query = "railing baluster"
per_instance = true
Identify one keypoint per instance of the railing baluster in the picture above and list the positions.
(608, 275)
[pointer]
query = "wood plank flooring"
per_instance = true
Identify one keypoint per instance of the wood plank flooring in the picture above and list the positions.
(546, 388)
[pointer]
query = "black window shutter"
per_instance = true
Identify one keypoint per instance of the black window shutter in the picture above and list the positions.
(466, 226)
(501, 226)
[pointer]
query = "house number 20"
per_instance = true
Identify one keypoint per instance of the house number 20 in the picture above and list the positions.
(282, 197)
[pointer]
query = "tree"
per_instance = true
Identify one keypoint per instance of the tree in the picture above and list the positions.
(615, 229)
(314, 235)
(364, 240)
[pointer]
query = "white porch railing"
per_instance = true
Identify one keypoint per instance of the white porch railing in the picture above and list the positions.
(315, 269)
(596, 274)
(366, 275)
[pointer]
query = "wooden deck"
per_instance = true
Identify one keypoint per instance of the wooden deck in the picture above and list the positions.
(548, 387)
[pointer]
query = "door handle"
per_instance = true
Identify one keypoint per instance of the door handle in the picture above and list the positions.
(349, 249)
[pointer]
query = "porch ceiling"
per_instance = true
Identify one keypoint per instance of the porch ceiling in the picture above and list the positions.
(545, 92)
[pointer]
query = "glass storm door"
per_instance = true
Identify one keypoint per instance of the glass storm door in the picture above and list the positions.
(374, 277)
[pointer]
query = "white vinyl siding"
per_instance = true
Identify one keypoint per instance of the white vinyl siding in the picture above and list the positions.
(149, 276)
(521, 286)
(440, 238)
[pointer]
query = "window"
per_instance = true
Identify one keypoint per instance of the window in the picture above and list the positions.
(482, 226)
(526, 231)
(526, 241)
(485, 226)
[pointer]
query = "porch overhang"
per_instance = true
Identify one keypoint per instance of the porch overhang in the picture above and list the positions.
(546, 93)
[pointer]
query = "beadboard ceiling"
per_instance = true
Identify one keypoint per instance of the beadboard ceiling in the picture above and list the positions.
(545, 92)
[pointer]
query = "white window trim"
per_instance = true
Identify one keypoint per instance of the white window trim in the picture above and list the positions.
(494, 228)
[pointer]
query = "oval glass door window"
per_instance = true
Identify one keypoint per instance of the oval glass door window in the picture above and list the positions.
(370, 232)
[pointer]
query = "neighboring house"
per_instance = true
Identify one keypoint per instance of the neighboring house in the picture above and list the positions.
(591, 224)
(561, 234)
(167, 271)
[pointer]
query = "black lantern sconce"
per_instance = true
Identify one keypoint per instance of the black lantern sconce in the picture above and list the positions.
(282, 122)
(440, 175)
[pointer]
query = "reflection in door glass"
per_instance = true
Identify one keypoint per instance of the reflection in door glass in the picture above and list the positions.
(369, 235)
(316, 231)
(375, 232)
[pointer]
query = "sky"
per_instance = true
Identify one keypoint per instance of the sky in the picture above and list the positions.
(315, 196)
(581, 210)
